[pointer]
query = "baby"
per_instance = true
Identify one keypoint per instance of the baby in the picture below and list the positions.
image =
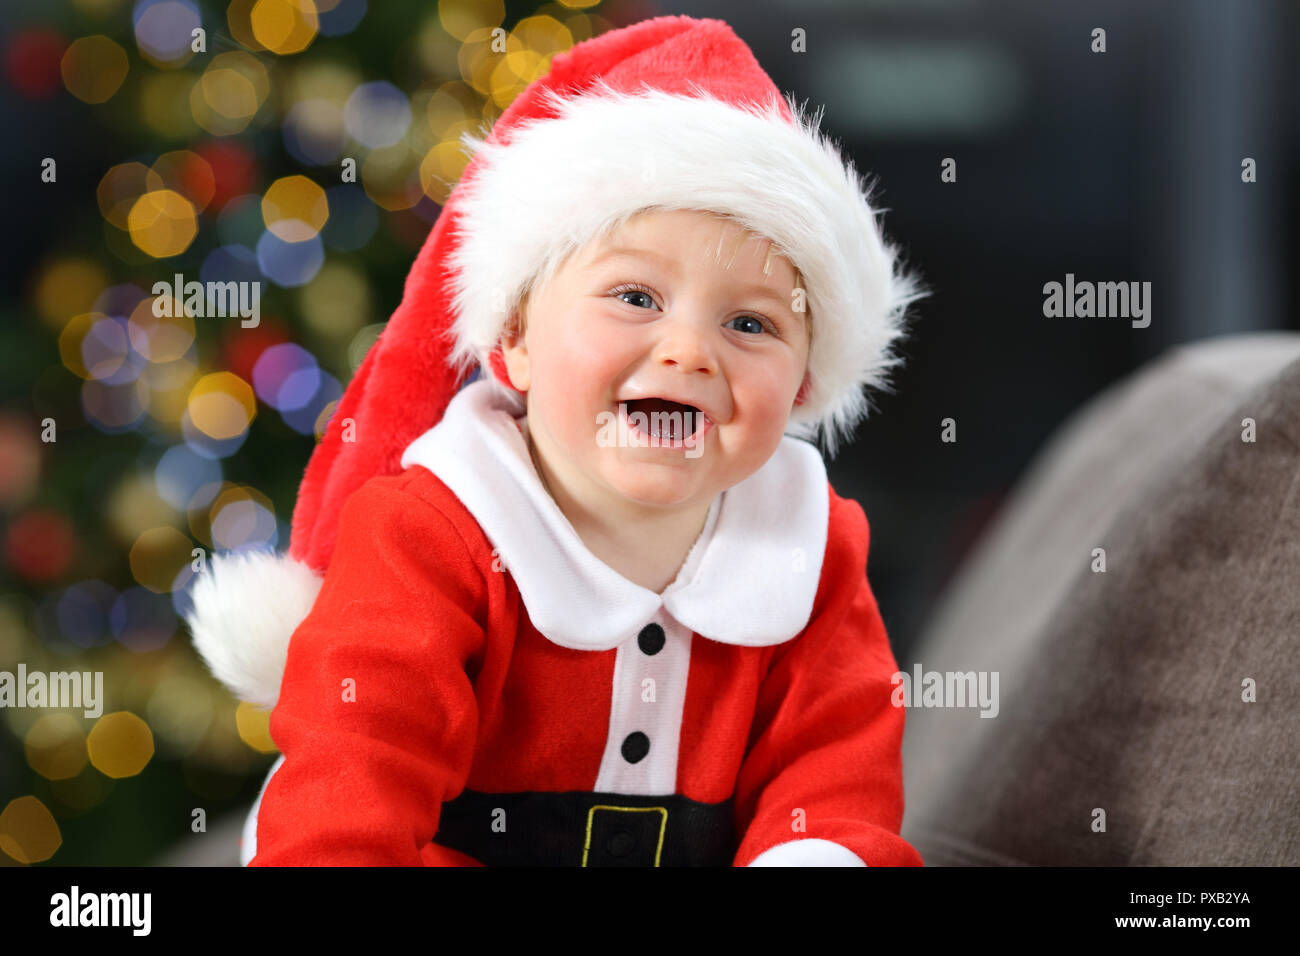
(599, 606)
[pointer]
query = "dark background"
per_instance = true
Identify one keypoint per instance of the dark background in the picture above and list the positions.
(1122, 166)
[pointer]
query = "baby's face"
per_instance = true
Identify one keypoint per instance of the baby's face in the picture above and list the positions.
(655, 310)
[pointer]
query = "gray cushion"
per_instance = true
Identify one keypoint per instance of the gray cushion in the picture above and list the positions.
(1123, 690)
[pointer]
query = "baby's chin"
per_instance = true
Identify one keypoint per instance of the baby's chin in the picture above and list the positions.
(660, 484)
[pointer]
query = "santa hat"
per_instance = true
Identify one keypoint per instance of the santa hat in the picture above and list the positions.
(669, 113)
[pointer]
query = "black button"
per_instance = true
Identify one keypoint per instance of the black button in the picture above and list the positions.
(651, 639)
(635, 746)
(621, 843)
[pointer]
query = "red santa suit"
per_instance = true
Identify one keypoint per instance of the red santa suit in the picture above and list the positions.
(517, 701)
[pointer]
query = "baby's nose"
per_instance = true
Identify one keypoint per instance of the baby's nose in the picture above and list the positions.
(686, 346)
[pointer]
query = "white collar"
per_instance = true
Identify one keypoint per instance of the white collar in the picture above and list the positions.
(750, 579)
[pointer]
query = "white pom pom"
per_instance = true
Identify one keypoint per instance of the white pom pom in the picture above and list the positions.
(247, 604)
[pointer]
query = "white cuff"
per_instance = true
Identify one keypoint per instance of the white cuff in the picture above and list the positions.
(807, 852)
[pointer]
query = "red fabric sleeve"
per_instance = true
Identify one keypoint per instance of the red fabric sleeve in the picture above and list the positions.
(363, 782)
(826, 738)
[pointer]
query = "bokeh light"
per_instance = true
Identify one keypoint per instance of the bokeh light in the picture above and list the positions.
(337, 302)
(142, 620)
(120, 744)
(28, 832)
(67, 287)
(460, 18)
(160, 338)
(377, 114)
(180, 474)
(162, 223)
(254, 725)
(188, 174)
(289, 264)
(158, 556)
(242, 518)
(286, 377)
(179, 711)
(284, 26)
(20, 452)
(82, 613)
(31, 62)
(295, 208)
(313, 132)
(221, 405)
(93, 68)
(39, 546)
(338, 17)
(230, 92)
(164, 31)
(56, 747)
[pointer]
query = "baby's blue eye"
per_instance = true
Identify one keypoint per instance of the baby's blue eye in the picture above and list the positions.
(649, 302)
(750, 318)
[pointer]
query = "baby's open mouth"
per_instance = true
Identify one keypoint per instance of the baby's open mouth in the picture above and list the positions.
(664, 420)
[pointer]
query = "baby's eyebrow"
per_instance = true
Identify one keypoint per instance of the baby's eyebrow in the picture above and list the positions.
(753, 290)
(631, 252)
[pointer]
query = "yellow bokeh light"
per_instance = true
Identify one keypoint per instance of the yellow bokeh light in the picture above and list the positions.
(56, 747)
(70, 340)
(222, 405)
(169, 386)
(441, 168)
(530, 47)
(67, 287)
(578, 4)
(163, 104)
(391, 177)
(460, 18)
(121, 187)
(284, 26)
(161, 338)
(120, 744)
(180, 711)
(93, 68)
(134, 506)
(454, 107)
(229, 93)
(254, 726)
(162, 223)
(158, 556)
(241, 27)
(294, 208)
(28, 832)
(476, 59)
(323, 419)
(337, 302)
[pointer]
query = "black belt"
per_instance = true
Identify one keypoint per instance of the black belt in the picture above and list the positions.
(583, 828)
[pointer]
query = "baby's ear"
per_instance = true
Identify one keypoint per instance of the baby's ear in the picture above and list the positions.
(515, 353)
(804, 389)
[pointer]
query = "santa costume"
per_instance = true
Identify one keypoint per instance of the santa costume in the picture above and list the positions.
(455, 678)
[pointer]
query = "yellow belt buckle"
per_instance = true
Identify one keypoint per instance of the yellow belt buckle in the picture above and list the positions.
(663, 825)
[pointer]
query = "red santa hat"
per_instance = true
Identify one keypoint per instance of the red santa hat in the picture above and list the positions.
(669, 113)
